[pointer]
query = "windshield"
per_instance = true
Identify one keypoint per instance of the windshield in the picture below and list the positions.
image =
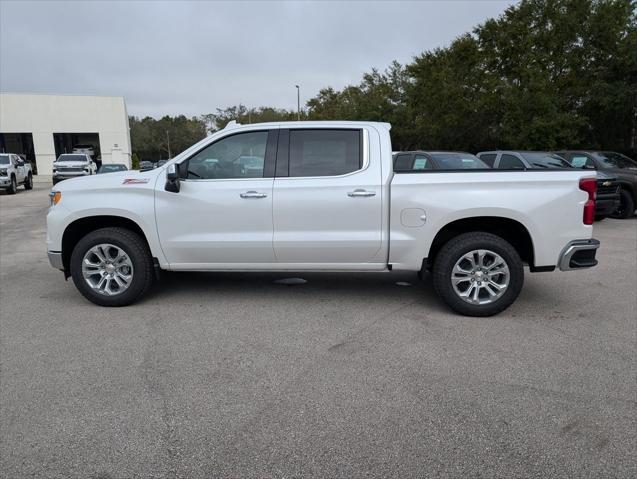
(4, 159)
(107, 168)
(459, 161)
(610, 159)
(546, 160)
(72, 158)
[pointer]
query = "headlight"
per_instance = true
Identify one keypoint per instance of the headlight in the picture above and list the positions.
(54, 197)
(3, 172)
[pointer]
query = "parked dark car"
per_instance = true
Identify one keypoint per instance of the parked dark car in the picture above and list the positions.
(615, 165)
(523, 160)
(111, 167)
(436, 160)
(161, 163)
(146, 165)
(607, 199)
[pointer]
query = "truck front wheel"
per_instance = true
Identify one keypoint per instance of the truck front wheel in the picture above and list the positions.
(112, 267)
(28, 183)
(13, 186)
(478, 274)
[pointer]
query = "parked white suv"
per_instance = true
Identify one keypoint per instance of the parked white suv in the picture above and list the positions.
(73, 165)
(14, 171)
(320, 196)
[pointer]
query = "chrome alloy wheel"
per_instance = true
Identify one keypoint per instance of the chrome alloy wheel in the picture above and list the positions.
(107, 269)
(480, 276)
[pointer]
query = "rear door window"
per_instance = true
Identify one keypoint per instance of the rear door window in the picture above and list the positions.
(488, 158)
(324, 152)
(510, 162)
(421, 162)
(581, 161)
(402, 162)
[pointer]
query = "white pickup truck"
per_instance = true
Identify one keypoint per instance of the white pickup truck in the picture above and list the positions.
(14, 171)
(319, 196)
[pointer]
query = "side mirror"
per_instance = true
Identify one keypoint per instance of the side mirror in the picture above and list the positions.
(172, 179)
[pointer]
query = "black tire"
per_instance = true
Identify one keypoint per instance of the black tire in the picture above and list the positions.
(13, 189)
(137, 250)
(28, 183)
(600, 217)
(459, 246)
(626, 205)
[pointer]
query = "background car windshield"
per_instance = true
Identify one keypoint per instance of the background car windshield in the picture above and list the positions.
(107, 168)
(459, 161)
(546, 160)
(4, 159)
(72, 158)
(610, 159)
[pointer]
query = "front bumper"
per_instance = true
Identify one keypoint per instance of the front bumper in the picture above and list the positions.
(579, 254)
(55, 258)
(5, 182)
(64, 176)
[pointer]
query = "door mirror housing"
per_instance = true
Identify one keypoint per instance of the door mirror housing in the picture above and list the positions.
(172, 179)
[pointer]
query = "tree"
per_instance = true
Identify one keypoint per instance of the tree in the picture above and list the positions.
(154, 139)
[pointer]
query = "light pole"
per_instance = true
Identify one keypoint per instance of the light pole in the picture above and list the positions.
(298, 102)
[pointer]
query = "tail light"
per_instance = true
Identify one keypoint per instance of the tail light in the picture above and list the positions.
(590, 186)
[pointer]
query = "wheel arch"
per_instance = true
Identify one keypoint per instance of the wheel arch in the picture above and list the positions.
(506, 228)
(80, 227)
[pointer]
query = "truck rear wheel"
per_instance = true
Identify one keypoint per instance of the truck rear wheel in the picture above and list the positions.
(626, 205)
(478, 274)
(112, 267)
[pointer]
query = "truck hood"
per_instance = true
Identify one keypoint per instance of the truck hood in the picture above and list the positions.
(117, 179)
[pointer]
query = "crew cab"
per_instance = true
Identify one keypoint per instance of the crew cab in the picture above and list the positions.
(326, 199)
(72, 165)
(14, 171)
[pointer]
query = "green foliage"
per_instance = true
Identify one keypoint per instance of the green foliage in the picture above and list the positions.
(242, 114)
(134, 161)
(546, 74)
(154, 140)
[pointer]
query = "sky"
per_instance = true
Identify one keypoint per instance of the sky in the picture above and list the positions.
(192, 57)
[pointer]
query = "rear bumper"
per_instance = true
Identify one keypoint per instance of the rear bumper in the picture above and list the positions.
(55, 258)
(579, 254)
(606, 206)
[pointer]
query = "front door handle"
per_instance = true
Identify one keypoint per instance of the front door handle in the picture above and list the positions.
(360, 193)
(253, 194)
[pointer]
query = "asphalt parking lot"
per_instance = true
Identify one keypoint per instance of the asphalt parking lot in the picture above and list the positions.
(234, 375)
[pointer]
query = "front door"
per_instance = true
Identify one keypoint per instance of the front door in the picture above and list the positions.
(327, 200)
(222, 215)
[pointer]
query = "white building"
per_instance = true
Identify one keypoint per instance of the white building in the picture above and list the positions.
(42, 127)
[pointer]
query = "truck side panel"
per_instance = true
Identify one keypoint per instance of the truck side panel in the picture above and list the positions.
(548, 204)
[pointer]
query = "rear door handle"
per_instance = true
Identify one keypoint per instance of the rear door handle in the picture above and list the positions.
(253, 194)
(360, 193)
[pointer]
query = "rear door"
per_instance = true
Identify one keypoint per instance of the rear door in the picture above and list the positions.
(327, 199)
